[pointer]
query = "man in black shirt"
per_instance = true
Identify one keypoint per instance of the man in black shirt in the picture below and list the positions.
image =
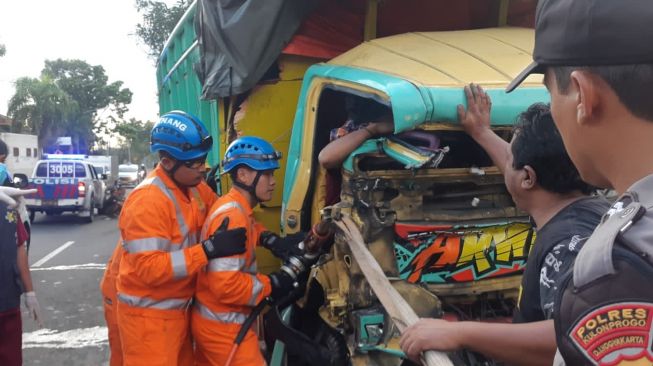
(597, 61)
(542, 181)
(557, 244)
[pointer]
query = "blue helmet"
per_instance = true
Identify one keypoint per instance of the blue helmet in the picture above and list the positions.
(181, 135)
(253, 152)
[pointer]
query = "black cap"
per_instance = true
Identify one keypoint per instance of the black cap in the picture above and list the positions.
(590, 33)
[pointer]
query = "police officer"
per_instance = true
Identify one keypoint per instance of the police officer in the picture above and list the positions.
(597, 58)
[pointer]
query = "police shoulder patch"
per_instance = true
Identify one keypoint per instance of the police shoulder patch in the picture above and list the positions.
(616, 334)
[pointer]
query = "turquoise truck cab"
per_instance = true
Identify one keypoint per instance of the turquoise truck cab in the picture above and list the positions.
(431, 206)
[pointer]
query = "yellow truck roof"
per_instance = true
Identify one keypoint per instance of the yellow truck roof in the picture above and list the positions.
(491, 56)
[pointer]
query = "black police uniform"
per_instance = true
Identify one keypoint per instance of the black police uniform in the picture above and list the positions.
(605, 312)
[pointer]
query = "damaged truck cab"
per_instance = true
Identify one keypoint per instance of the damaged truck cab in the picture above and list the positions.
(431, 206)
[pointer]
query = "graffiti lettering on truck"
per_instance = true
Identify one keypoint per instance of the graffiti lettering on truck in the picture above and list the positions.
(446, 254)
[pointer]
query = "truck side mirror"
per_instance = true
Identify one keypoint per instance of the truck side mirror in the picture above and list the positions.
(20, 180)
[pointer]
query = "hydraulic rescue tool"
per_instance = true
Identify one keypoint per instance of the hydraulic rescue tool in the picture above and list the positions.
(295, 266)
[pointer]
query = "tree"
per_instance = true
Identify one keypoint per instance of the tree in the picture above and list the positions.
(80, 89)
(40, 107)
(87, 85)
(137, 137)
(158, 22)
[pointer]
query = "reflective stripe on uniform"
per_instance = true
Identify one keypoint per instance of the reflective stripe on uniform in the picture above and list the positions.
(178, 261)
(189, 240)
(230, 264)
(191, 237)
(177, 258)
(145, 182)
(256, 290)
(253, 268)
(226, 264)
(253, 263)
(226, 317)
(146, 244)
(214, 214)
(145, 302)
(183, 228)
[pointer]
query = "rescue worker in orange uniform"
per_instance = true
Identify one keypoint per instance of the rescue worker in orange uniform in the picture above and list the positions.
(108, 288)
(161, 252)
(229, 288)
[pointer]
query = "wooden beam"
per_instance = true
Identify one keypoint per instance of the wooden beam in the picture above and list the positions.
(503, 13)
(371, 16)
(397, 308)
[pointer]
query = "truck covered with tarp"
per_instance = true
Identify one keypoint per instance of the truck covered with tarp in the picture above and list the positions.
(432, 209)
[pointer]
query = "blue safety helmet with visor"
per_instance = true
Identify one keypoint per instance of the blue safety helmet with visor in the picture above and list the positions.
(254, 153)
(181, 135)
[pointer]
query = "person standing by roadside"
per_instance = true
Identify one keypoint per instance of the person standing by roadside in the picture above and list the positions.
(597, 61)
(15, 279)
(542, 181)
(5, 177)
(161, 252)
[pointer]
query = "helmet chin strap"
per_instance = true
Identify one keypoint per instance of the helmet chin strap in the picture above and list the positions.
(171, 172)
(251, 189)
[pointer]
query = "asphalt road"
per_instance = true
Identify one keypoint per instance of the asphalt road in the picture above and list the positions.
(67, 259)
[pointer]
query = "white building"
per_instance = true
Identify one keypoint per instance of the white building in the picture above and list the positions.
(23, 152)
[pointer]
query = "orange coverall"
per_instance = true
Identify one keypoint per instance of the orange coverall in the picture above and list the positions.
(227, 290)
(108, 287)
(159, 226)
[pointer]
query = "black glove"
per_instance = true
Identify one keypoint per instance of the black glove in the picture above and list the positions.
(225, 243)
(282, 247)
(282, 284)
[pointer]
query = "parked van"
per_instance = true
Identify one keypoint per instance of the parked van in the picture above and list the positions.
(23, 152)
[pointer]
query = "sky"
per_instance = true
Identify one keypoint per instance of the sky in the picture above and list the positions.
(99, 32)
